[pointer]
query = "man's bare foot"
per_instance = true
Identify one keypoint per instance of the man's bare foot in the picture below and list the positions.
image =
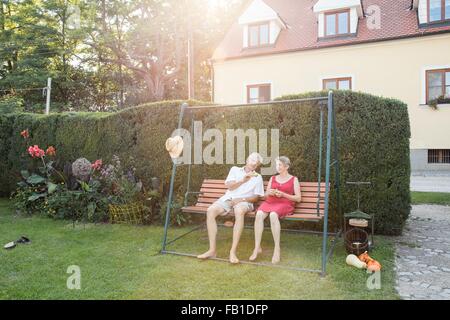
(276, 256)
(255, 254)
(233, 258)
(208, 254)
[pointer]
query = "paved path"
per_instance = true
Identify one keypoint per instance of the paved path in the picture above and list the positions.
(423, 254)
(430, 183)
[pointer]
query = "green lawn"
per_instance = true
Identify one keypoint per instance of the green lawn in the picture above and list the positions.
(430, 198)
(122, 262)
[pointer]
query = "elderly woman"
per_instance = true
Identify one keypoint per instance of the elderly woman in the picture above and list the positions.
(282, 192)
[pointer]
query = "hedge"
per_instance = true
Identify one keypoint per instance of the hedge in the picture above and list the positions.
(373, 138)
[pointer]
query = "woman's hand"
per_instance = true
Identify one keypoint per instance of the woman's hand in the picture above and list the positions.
(279, 194)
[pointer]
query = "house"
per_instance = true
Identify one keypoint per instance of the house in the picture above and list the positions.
(398, 49)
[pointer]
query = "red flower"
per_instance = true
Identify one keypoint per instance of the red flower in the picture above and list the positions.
(97, 165)
(25, 134)
(51, 151)
(36, 152)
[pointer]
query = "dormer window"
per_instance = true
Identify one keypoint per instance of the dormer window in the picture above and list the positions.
(432, 11)
(259, 34)
(338, 18)
(438, 10)
(337, 23)
(261, 25)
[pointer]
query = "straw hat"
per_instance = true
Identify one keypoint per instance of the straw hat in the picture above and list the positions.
(175, 146)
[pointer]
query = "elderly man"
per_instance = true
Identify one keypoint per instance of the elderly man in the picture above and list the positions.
(245, 186)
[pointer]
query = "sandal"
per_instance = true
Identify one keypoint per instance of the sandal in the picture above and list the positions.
(10, 245)
(13, 244)
(24, 240)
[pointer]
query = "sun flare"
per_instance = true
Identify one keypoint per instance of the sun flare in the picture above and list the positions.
(215, 3)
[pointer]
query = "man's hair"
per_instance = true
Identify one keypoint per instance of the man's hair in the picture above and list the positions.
(255, 157)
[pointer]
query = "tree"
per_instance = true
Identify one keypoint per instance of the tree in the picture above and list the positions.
(142, 36)
(106, 54)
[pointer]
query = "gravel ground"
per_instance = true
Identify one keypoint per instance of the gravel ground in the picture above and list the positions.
(423, 254)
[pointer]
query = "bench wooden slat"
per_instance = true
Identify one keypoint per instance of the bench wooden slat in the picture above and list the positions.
(213, 189)
(309, 186)
(298, 205)
(304, 183)
(312, 198)
(208, 194)
(301, 215)
(202, 207)
(305, 195)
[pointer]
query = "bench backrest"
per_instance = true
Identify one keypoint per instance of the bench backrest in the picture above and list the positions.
(211, 190)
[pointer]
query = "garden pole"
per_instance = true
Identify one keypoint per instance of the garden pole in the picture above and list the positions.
(48, 92)
(172, 179)
(337, 167)
(327, 186)
(188, 188)
(319, 170)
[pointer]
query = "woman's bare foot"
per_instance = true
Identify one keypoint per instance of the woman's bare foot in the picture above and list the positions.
(276, 256)
(233, 258)
(255, 254)
(208, 254)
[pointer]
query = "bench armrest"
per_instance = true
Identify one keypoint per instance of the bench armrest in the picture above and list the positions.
(187, 194)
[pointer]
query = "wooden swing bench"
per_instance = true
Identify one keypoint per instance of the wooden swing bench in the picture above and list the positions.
(306, 210)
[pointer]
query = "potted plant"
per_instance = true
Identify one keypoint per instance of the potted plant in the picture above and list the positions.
(440, 100)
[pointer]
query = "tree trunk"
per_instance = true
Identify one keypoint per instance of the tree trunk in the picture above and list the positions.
(155, 85)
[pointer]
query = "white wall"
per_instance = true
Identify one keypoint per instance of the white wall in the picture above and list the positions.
(390, 69)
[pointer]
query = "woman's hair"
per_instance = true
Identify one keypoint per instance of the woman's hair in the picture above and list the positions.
(284, 160)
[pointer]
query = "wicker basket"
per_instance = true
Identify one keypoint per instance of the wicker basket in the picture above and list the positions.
(356, 241)
(126, 214)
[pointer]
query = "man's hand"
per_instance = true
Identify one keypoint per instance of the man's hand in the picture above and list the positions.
(247, 177)
(234, 202)
(236, 184)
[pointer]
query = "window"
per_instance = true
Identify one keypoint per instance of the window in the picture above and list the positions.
(447, 9)
(439, 156)
(258, 93)
(337, 23)
(438, 10)
(337, 84)
(259, 34)
(438, 84)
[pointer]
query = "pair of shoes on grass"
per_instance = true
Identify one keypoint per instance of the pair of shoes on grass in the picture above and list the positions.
(13, 244)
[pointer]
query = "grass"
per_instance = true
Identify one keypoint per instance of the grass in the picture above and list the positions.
(122, 262)
(440, 198)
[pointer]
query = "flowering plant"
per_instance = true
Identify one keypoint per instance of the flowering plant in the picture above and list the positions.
(36, 152)
(97, 165)
(25, 134)
(35, 187)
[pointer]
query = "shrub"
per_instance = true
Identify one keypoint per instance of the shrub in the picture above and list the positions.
(11, 104)
(373, 146)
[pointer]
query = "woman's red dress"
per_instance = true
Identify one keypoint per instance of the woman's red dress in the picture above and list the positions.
(282, 206)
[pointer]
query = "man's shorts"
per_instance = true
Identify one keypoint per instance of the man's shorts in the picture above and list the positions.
(226, 205)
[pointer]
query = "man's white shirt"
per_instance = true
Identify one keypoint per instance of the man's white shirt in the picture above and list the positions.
(253, 187)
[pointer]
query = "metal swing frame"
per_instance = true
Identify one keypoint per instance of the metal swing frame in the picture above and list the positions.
(331, 133)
